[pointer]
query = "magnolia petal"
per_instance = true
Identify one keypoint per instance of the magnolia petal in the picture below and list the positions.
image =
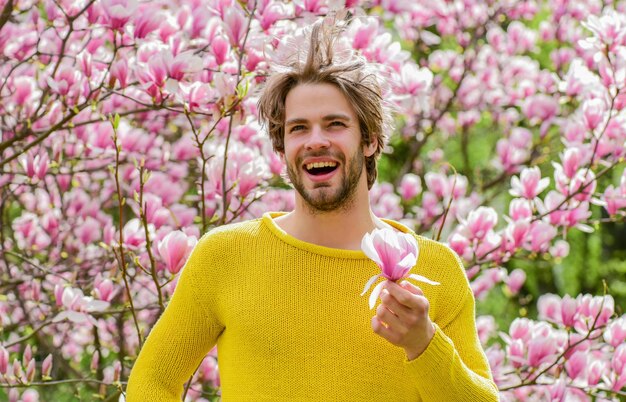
(408, 261)
(369, 283)
(375, 293)
(421, 278)
(368, 248)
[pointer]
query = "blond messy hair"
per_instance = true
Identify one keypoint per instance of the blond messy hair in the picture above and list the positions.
(350, 73)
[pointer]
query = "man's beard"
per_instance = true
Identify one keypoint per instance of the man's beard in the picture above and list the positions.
(323, 198)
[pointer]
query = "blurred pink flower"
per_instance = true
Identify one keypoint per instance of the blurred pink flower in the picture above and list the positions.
(175, 248)
(78, 306)
(119, 12)
(515, 280)
(615, 333)
(35, 166)
(540, 107)
(395, 253)
(479, 223)
(541, 350)
(410, 186)
(119, 72)
(46, 366)
(235, 23)
(4, 360)
(594, 113)
(147, 20)
(529, 184)
(540, 236)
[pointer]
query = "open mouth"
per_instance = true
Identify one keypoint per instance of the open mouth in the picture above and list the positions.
(320, 168)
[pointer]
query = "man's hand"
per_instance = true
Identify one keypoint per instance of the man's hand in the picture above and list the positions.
(402, 318)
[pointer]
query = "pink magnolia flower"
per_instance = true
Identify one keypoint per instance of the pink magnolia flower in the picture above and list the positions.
(515, 280)
(540, 107)
(395, 253)
(410, 186)
(4, 360)
(119, 72)
(119, 12)
(175, 248)
(594, 111)
(78, 306)
(529, 184)
(615, 333)
(147, 20)
(36, 166)
(540, 350)
(46, 366)
(479, 223)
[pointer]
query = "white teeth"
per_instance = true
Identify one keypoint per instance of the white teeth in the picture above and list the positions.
(310, 166)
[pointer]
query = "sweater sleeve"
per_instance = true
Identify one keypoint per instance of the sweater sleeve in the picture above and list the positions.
(183, 335)
(454, 366)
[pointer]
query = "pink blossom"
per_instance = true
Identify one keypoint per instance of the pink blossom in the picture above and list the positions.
(608, 29)
(105, 290)
(612, 200)
(541, 350)
(119, 72)
(540, 236)
(4, 360)
(515, 280)
(569, 309)
(119, 12)
(95, 360)
(437, 183)
(540, 107)
(88, 231)
(272, 13)
(36, 166)
(220, 48)
(175, 248)
(410, 186)
(235, 26)
(148, 20)
(594, 111)
(615, 332)
(529, 184)
(560, 249)
(78, 306)
(395, 253)
(46, 366)
(363, 32)
(520, 209)
(596, 371)
(515, 234)
(415, 80)
(479, 222)
(486, 327)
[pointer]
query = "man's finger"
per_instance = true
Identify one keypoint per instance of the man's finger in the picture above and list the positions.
(412, 288)
(403, 296)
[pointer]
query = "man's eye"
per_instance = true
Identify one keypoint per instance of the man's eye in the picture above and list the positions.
(296, 128)
(338, 124)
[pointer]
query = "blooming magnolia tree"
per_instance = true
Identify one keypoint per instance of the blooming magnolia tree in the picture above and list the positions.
(130, 128)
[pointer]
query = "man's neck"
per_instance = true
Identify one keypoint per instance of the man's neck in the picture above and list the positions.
(343, 228)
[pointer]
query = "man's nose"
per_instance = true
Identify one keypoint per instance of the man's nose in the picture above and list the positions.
(317, 138)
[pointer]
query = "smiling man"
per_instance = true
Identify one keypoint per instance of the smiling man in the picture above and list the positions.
(279, 295)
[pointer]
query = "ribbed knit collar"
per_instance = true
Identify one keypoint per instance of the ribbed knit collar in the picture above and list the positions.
(268, 221)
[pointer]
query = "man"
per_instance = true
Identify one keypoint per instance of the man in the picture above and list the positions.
(280, 295)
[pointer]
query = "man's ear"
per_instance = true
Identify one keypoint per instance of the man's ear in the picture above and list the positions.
(370, 149)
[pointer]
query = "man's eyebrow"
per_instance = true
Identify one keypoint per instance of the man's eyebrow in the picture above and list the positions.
(334, 116)
(297, 120)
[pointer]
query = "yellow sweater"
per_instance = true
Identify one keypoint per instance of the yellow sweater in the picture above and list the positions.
(290, 325)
